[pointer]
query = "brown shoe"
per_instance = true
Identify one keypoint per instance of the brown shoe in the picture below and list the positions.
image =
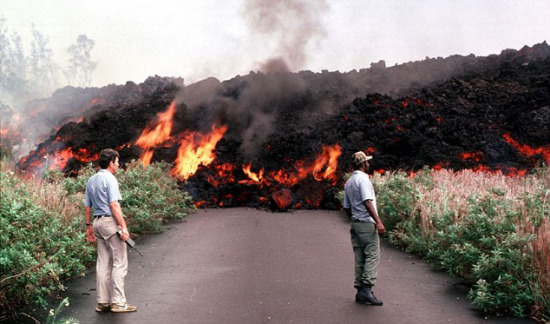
(103, 307)
(123, 308)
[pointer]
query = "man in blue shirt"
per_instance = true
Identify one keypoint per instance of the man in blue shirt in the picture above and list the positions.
(360, 206)
(102, 203)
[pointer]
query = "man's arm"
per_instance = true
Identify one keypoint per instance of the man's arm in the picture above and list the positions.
(90, 237)
(374, 214)
(348, 212)
(119, 217)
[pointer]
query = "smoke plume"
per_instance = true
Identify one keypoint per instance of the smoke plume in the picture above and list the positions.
(289, 27)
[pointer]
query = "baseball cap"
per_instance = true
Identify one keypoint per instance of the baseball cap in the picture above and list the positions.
(360, 157)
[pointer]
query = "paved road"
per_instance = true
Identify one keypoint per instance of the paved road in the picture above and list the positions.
(249, 266)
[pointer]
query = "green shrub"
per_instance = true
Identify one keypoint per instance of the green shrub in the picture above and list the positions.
(38, 248)
(490, 230)
(396, 198)
(42, 241)
(150, 195)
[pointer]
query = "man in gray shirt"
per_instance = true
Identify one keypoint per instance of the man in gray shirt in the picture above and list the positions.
(360, 206)
(102, 203)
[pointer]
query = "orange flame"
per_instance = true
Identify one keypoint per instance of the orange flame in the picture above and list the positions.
(195, 150)
(285, 178)
(153, 136)
(328, 157)
(61, 157)
(254, 177)
(327, 160)
(146, 156)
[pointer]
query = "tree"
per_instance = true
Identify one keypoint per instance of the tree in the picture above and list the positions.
(81, 66)
(12, 63)
(42, 67)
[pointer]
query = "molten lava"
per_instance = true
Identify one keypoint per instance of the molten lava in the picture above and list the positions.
(528, 151)
(476, 156)
(223, 174)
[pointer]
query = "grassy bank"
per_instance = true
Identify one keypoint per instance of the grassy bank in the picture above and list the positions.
(491, 230)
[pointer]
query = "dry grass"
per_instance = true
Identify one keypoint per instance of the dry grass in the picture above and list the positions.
(451, 191)
(51, 197)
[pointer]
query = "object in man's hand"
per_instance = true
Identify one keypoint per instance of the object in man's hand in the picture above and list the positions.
(129, 242)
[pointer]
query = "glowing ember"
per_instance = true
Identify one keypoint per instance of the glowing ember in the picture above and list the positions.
(282, 198)
(223, 174)
(476, 156)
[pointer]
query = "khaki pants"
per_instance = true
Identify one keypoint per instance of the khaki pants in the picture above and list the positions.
(112, 261)
(366, 248)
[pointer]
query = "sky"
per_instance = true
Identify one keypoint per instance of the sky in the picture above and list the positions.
(222, 39)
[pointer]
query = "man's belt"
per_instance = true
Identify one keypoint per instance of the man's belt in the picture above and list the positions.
(98, 216)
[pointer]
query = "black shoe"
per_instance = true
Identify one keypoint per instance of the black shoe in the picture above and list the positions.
(366, 296)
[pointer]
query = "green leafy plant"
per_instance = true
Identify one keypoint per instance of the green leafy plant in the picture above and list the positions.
(52, 315)
(490, 230)
(38, 248)
(42, 242)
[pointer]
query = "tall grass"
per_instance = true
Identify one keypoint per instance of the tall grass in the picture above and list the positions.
(490, 229)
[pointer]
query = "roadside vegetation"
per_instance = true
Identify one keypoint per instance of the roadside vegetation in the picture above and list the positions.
(491, 230)
(42, 238)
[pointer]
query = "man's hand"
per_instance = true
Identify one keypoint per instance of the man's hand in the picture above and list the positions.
(90, 237)
(381, 228)
(124, 234)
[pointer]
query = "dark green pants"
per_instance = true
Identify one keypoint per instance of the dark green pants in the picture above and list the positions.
(366, 247)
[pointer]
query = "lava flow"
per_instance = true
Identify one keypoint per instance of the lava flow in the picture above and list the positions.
(283, 140)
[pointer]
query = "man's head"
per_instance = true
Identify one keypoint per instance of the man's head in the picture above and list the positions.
(106, 157)
(359, 160)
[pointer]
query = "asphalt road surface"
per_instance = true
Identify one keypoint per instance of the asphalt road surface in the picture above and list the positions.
(244, 265)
